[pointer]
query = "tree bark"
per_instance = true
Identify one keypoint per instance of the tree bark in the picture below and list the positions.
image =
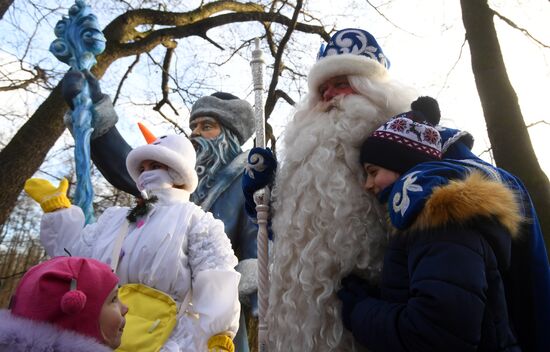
(24, 154)
(511, 145)
(4, 6)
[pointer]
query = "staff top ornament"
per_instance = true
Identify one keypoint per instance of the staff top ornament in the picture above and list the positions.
(79, 38)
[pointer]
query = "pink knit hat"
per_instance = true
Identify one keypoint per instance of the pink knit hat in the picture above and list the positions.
(65, 291)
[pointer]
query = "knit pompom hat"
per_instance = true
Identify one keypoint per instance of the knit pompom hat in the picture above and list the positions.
(233, 113)
(174, 151)
(68, 292)
(350, 51)
(403, 142)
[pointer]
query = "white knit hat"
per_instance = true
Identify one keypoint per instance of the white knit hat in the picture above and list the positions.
(174, 151)
(350, 51)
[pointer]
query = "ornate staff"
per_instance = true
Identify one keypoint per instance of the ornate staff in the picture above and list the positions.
(261, 198)
(79, 40)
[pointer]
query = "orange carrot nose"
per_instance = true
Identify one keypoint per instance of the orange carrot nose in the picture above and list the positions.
(149, 137)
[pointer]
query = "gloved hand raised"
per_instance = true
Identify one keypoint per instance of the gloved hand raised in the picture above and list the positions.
(220, 343)
(73, 83)
(259, 172)
(47, 195)
(104, 116)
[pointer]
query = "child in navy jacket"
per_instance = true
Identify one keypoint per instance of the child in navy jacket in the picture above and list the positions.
(452, 229)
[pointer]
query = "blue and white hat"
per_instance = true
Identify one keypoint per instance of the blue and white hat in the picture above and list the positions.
(350, 51)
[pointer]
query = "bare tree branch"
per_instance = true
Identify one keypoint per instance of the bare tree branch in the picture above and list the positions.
(20, 273)
(149, 41)
(538, 123)
(127, 23)
(165, 80)
(123, 79)
(173, 123)
(277, 66)
(295, 73)
(279, 94)
(208, 39)
(270, 41)
(452, 67)
(387, 19)
(244, 44)
(39, 75)
(515, 26)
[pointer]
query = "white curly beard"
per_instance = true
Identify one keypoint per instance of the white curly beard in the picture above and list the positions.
(325, 224)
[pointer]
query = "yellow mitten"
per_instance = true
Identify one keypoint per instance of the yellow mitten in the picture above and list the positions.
(220, 343)
(49, 197)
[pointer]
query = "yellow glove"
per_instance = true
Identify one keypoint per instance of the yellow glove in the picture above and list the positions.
(220, 343)
(49, 197)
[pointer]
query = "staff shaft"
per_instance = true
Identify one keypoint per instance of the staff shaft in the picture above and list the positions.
(261, 198)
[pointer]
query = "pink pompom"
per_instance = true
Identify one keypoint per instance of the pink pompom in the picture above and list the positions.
(73, 302)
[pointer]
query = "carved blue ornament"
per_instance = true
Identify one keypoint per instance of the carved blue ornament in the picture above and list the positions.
(79, 40)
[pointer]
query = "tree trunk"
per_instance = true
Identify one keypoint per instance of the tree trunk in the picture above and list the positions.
(511, 145)
(4, 6)
(24, 154)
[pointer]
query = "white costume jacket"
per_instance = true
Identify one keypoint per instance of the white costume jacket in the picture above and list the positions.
(176, 246)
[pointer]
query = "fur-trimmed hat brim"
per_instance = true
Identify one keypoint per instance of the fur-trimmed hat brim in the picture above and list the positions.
(235, 114)
(183, 168)
(344, 65)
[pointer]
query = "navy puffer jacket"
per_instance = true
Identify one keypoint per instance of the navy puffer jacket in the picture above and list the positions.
(441, 287)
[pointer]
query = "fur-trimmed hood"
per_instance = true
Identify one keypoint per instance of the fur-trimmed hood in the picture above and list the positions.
(446, 193)
(21, 335)
(464, 200)
(440, 197)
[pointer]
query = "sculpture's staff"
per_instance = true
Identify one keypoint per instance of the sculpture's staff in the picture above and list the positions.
(79, 40)
(261, 197)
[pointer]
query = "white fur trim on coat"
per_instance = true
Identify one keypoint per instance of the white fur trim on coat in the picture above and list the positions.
(18, 334)
(344, 65)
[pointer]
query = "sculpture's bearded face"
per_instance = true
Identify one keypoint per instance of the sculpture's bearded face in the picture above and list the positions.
(213, 154)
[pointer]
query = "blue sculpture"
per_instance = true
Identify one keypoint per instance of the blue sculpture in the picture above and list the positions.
(79, 40)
